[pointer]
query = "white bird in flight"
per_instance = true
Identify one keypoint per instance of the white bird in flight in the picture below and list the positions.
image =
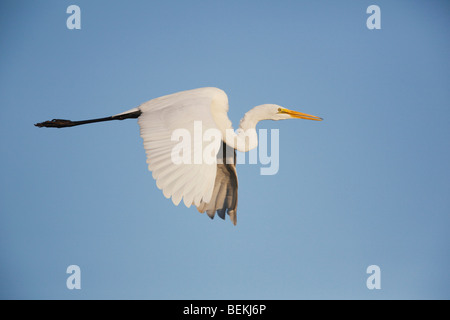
(210, 185)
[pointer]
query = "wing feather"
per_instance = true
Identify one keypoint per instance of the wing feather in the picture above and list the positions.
(192, 183)
(224, 197)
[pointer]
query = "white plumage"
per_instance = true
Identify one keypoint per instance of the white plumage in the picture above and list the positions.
(160, 118)
(209, 185)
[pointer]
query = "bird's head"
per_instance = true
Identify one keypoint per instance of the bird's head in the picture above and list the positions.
(272, 112)
(276, 112)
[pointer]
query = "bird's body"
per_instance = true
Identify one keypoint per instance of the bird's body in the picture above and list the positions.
(209, 184)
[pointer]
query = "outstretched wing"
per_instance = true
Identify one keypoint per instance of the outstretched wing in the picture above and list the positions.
(161, 122)
(224, 197)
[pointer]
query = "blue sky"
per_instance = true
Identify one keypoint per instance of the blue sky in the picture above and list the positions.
(367, 186)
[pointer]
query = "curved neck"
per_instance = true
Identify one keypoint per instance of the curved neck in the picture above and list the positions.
(245, 138)
(241, 140)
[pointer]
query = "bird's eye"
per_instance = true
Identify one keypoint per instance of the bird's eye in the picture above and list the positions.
(279, 109)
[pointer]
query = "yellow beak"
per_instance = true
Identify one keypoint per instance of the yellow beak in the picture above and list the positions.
(299, 115)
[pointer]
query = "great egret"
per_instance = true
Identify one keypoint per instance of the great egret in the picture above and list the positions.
(210, 186)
